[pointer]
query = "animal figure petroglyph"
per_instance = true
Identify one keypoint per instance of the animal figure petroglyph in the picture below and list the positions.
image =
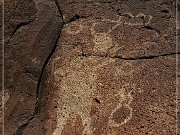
(76, 81)
(77, 86)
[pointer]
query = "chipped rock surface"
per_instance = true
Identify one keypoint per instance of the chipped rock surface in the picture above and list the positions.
(83, 67)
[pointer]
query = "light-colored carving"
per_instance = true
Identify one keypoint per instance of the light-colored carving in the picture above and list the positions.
(76, 91)
(125, 99)
(103, 42)
(76, 80)
(126, 69)
(74, 28)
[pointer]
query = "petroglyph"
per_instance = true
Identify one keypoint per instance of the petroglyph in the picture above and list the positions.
(76, 90)
(125, 98)
(103, 41)
(77, 80)
(140, 16)
(125, 69)
(104, 44)
(74, 28)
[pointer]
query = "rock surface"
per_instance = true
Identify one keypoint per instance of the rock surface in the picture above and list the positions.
(31, 34)
(102, 67)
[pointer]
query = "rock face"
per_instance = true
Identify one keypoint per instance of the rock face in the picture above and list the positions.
(102, 67)
(30, 36)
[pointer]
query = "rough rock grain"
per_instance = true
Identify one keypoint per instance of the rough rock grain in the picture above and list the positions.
(31, 37)
(82, 67)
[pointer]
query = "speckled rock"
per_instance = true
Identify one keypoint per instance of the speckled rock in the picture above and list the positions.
(110, 72)
(110, 95)
(31, 32)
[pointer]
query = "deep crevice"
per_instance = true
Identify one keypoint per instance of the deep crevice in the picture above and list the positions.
(59, 9)
(45, 64)
(21, 129)
(19, 26)
(47, 59)
(51, 53)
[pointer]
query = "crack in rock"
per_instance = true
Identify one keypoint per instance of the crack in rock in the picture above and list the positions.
(21, 129)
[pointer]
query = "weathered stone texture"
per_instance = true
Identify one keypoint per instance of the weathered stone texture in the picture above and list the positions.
(102, 67)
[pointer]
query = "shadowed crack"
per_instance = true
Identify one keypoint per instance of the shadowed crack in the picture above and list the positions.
(59, 9)
(18, 26)
(151, 28)
(51, 53)
(75, 18)
(131, 58)
(145, 57)
(21, 128)
(45, 64)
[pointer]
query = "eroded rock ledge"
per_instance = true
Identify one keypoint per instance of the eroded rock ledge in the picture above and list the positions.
(102, 67)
